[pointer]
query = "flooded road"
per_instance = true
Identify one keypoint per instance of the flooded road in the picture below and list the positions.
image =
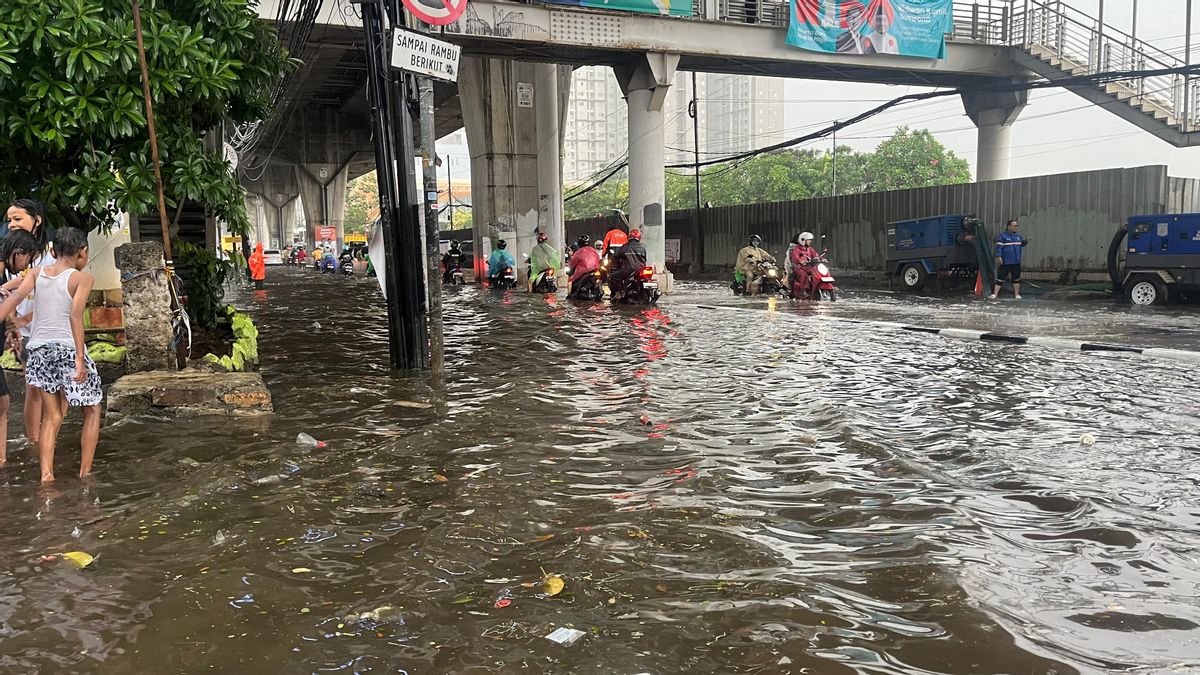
(722, 490)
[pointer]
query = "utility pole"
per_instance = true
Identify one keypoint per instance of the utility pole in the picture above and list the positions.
(433, 279)
(450, 191)
(833, 183)
(697, 221)
(408, 338)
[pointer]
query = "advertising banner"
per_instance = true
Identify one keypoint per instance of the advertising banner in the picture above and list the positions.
(868, 27)
(669, 7)
(326, 234)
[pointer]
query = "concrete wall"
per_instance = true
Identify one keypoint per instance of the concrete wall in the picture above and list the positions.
(1069, 217)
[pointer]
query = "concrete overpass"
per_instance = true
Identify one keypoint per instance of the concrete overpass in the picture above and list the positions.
(516, 144)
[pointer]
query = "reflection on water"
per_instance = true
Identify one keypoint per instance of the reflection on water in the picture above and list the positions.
(737, 491)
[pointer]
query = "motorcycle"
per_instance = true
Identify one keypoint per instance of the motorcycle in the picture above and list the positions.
(605, 266)
(818, 282)
(638, 288)
(545, 282)
(771, 281)
(587, 288)
(507, 278)
(346, 268)
(454, 277)
(329, 267)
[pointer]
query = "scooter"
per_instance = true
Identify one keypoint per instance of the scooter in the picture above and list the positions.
(346, 268)
(770, 281)
(545, 282)
(507, 278)
(455, 277)
(587, 288)
(819, 284)
(639, 288)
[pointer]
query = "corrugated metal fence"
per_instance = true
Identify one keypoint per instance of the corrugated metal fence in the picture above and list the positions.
(1070, 218)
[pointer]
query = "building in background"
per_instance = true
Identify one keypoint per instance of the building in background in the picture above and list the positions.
(737, 113)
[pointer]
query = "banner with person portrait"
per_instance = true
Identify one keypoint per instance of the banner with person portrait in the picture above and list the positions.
(867, 27)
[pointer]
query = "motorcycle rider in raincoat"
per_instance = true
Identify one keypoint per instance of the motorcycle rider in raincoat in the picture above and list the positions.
(499, 259)
(543, 257)
(798, 257)
(747, 263)
(585, 261)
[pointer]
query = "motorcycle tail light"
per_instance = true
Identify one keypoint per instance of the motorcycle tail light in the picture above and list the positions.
(647, 272)
(508, 270)
(823, 269)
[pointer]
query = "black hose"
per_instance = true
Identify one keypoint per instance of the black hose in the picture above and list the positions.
(1113, 250)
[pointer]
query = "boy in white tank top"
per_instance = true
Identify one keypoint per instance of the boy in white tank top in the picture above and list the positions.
(58, 364)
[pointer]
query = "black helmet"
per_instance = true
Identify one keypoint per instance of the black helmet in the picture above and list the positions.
(575, 246)
(502, 244)
(755, 239)
(454, 244)
(584, 240)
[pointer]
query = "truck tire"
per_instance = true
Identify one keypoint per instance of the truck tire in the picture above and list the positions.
(912, 277)
(1145, 290)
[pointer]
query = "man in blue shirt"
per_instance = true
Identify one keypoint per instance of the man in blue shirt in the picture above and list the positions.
(1009, 246)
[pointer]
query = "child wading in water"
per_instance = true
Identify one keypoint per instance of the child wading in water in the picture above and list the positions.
(58, 364)
(18, 249)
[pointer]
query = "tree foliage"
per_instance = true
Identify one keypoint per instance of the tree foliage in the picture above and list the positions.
(362, 203)
(909, 159)
(74, 131)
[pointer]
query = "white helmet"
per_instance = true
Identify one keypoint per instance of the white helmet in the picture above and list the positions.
(806, 236)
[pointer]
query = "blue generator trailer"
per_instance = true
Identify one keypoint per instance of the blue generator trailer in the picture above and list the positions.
(1162, 259)
(941, 247)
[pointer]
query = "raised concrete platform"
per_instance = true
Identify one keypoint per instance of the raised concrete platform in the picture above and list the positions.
(189, 393)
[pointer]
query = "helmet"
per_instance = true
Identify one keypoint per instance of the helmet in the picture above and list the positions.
(502, 244)
(542, 237)
(755, 239)
(584, 240)
(454, 244)
(635, 235)
(575, 246)
(806, 236)
(599, 245)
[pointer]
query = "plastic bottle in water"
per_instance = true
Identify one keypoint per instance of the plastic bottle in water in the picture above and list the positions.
(307, 441)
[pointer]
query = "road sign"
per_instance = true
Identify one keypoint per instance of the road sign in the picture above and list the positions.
(418, 53)
(436, 12)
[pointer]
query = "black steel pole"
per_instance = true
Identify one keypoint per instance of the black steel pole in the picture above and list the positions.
(411, 251)
(698, 224)
(390, 203)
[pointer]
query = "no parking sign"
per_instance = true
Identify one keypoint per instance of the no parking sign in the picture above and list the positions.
(436, 12)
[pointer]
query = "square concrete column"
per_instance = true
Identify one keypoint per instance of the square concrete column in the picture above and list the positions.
(994, 113)
(645, 83)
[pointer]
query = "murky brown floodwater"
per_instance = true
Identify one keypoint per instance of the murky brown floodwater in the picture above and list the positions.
(808, 496)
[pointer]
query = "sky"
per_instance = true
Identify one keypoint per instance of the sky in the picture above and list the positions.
(1057, 132)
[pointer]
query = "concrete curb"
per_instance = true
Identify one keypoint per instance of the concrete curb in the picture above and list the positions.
(986, 336)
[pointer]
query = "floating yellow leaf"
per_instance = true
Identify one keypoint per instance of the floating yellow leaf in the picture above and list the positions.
(300, 570)
(440, 478)
(553, 584)
(78, 558)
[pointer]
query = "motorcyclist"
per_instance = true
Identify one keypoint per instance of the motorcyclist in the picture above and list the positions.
(452, 260)
(346, 254)
(798, 257)
(543, 257)
(747, 263)
(585, 261)
(500, 259)
(614, 239)
(628, 260)
(329, 264)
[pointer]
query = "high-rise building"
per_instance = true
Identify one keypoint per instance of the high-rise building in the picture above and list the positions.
(737, 113)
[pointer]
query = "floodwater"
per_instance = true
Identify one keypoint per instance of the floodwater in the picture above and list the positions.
(722, 489)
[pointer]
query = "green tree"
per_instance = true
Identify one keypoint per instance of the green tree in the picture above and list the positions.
(74, 130)
(362, 203)
(612, 194)
(913, 159)
(462, 219)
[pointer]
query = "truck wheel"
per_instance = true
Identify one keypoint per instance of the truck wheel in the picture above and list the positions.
(912, 277)
(1145, 291)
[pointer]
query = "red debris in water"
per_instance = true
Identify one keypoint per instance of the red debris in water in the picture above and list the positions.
(502, 603)
(644, 420)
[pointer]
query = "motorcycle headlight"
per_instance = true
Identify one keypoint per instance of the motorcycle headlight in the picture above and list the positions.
(772, 273)
(823, 269)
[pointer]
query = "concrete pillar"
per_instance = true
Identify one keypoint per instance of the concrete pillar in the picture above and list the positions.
(501, 127)
(549, 154)
(994, 113)
(323, 197)
(645, 83)
(275, 188)
(147, 307)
